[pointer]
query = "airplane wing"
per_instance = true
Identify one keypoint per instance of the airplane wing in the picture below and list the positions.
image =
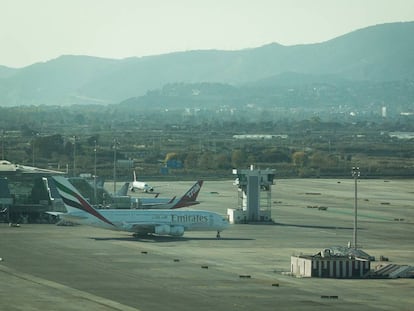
(143, 228)
(140, 227)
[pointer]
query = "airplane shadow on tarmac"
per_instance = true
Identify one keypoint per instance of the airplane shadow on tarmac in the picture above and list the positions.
(315, 227)
(163, 239)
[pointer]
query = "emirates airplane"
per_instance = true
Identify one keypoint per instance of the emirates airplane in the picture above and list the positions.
(139, 222)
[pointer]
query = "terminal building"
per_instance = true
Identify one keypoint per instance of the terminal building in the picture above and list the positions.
(23, 195)
(254, 187)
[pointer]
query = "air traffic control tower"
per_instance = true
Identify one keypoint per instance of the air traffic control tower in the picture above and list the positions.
(254, 196)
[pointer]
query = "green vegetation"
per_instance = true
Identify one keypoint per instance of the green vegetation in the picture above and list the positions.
(203, 142)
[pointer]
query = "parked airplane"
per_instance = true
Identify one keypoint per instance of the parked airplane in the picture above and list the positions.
(140, 185)
(122, 200)
(188, 199)
(140, 222)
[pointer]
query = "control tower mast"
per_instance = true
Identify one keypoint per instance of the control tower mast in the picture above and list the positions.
(254, 196)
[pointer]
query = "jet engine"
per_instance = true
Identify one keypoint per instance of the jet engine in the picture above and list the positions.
(177, 231)
(169, 230)
(162, 230)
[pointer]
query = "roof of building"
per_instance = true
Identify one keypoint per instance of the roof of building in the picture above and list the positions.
(7, 167)
(340, 252)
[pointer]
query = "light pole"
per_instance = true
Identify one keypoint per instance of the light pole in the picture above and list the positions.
(35, 135)
(355, 173)
(74, 156)
(94, 174)
(2, 144)
(115, 146)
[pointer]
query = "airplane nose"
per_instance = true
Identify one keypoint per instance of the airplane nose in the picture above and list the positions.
(222, 222)
(226, 223)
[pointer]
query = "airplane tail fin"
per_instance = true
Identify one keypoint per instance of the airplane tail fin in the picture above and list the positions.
(124, 190)
(172, 200)
(73, 200)
(190, 197)
(131, 185)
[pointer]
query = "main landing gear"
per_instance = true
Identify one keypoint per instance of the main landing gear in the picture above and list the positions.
(218, 235)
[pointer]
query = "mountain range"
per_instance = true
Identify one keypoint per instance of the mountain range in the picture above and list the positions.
(376, 55)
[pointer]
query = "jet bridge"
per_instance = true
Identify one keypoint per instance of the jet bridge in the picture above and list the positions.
(254, 196)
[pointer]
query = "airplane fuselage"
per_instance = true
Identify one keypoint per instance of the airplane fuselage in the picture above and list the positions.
(138, 185)
(158, 203)
(158, 221)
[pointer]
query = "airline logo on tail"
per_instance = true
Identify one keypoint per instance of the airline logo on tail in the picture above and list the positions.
(190, 197)
(74, 201)
(192, 194)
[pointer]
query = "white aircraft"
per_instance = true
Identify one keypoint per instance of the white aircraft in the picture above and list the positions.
(140, 222)
(140, 185)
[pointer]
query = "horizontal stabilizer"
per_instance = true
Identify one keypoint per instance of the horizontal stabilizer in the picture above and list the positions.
(55, 213)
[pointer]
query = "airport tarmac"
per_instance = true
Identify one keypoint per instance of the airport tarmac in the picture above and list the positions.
(48, 267)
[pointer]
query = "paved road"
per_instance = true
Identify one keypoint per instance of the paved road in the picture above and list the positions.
(46, 267)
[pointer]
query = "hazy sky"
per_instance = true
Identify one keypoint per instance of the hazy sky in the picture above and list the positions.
(39, 30)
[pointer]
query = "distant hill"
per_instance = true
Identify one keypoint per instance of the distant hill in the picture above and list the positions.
(5, 72)
(377, 54)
